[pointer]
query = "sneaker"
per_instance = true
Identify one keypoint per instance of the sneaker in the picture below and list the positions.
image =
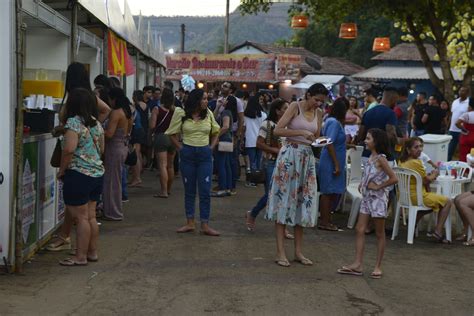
(233, 192)
(220, 193)
(250, 185)
(125, 200)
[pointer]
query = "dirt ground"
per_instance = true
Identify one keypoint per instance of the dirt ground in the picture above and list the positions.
(145, 268)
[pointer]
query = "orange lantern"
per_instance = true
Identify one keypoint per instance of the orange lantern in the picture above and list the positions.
(381, 44)
(348, 31)
(299, 22)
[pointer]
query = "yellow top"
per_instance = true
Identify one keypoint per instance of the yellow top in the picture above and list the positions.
(430, 199)
(194, 133)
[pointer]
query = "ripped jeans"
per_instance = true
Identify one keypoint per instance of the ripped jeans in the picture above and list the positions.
(196, 171)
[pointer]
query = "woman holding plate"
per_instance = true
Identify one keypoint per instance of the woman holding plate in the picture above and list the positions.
(331, 170)
(291, 200)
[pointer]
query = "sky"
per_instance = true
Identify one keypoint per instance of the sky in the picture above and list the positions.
(180, 7)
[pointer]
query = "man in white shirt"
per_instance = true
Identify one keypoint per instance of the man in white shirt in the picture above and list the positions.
(458, 108)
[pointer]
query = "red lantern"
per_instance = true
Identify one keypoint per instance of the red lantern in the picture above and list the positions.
(299, 22)
(381, 44)
(348, 31)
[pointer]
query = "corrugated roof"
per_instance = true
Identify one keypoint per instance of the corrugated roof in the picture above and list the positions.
(329, 65)
(400, 73)
(405, 52)
(329, 79)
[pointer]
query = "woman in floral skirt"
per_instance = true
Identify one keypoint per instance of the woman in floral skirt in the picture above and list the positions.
(293, 193)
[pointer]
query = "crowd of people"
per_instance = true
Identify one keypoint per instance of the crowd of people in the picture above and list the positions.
(201, 136)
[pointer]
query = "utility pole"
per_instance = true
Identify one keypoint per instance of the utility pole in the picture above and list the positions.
(226, 29)
(183, 32)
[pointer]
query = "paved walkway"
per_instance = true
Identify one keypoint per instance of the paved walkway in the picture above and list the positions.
(145, 268)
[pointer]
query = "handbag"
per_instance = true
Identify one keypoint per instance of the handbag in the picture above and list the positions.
(56, 156)
(132, 157)
(226, 146)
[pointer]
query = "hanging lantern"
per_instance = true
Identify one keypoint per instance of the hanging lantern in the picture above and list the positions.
(348, 31)
(381, 44)
(299, 22)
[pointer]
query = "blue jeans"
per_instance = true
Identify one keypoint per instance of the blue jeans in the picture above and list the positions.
(224, 170)
(124, 182)
(235, 164)
(269, 166)
(453, 144)
(255, 157)
(196, 171)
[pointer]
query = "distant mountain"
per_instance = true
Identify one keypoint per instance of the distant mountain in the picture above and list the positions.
(206, 34)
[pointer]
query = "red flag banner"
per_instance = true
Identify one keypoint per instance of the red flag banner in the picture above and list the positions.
(119, 61)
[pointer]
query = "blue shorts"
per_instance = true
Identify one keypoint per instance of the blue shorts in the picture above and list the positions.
(79, 189)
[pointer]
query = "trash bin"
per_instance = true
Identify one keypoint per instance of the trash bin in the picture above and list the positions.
(436, 147)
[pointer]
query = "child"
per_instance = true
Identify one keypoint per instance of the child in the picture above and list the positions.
(376, 183)
(425, 159)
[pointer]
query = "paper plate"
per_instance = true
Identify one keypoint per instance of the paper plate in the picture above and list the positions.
(317, 144)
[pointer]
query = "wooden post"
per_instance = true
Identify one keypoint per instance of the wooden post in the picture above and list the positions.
(137, 67)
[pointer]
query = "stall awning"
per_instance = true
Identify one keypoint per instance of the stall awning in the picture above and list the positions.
(324, 79)
(381, 72)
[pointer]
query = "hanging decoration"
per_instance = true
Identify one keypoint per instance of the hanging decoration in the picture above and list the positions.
(188, 82)
(299, 22)
(381, 44)
(119, 61)
(348, 31)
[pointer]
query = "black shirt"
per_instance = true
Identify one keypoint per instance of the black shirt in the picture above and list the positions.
(419, 112)
(435, 119)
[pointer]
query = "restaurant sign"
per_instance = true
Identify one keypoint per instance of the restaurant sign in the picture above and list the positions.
(222, 67)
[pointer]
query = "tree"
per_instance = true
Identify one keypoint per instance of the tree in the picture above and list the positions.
(446, 24)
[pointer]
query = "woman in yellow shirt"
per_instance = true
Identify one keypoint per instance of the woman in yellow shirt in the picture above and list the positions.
(199, 131)
(409, 159)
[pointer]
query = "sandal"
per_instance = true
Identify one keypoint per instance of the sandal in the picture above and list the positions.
(249, 221)
(69, 262)
(376, 275)
(468, 243)
(439, 238)
(61, 244)
(462, 237)
(304, 261)
(330, 227)
(161, 196)
(289, 236)
(349, 271)
(283, 263)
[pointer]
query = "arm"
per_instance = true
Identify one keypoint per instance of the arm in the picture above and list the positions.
(112, 125)
(103, 109)
(225, 125)
(432, 164)
(153, 118)
(241, 125)
(351, 121)
(102, 144)
(430, 177)
(214, 141)
(175, 140)
(71, 139)
(392, 178)
(391, 133)
(424, 119)
(332, 154)
(361, 134)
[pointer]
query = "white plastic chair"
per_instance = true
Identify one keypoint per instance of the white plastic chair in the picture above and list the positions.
(405, 202)
(353, 180)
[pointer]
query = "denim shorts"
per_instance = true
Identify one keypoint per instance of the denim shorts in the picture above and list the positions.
(163, 143)
(79, 189)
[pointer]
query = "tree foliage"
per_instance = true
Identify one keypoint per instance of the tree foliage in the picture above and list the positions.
(447, 24)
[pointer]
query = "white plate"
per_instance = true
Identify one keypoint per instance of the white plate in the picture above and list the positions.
(317, 144)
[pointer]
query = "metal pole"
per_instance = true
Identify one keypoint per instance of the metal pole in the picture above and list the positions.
(147, 73)
(137, 67)
(18, 170)
(72, 53)
(226, 28)
(105, 53)
(183, 33)
(124, 83)
(154, 75)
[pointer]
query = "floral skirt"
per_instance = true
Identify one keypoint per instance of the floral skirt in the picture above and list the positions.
(293, 192)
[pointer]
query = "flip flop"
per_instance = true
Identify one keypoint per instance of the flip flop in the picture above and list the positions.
(330, 227)
(348, 271)
(64, 245)
(289, 236)
(304, 261)
(160, 196)
(69, 262)
(468, 243)
(439, 238)
(376, 275)
(283, 263)
(250, 225)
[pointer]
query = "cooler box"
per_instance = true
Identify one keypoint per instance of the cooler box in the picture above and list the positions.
(436, 147)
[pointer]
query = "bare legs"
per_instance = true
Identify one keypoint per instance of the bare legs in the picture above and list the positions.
(326, 201)
(137, 169)
(94, 232)
(442, 216)
(362, 224)
(281, 232)
(465, 206)
(166, 172)
(61, 242)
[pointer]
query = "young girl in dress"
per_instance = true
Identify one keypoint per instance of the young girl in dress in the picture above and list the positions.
(377, 181)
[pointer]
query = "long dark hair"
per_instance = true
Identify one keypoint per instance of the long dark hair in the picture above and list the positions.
(315, 89)
(339, 109)
(381, 141)
(193, 103)
(274, 107)
(231, 105)
(404, 156)
(122, 102)
(77, 76)
(83, 103)
(254, 109)
(167, 98)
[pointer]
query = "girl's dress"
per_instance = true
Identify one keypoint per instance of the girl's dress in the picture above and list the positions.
(374, 202)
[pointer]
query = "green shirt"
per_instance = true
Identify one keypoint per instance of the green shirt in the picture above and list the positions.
(194, 133)
(372, 105)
